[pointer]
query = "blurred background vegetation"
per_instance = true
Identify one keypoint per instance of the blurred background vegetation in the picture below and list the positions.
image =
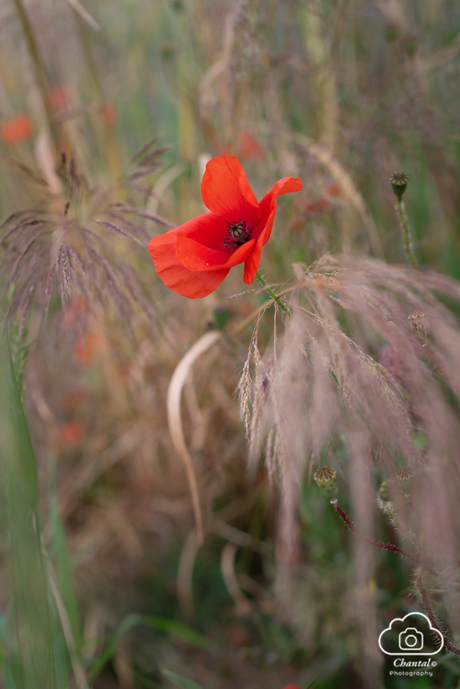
(340, 93)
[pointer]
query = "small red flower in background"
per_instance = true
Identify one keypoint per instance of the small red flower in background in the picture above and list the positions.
(88, 345)
(322, 204)
(71, 432)
(248, 146)
(194, 258)
(109, 114)
(16, 130)
(316, 206)
(292, 686)
(59, 96)
(289, 555)
(333, 189)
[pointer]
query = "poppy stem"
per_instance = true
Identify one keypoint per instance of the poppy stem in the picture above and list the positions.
(272, 294)
(378, 544)
(406, 233)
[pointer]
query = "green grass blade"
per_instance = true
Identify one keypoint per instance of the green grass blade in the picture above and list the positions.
(170, 627)
(31, 659)
(181, 682)
(64, 571)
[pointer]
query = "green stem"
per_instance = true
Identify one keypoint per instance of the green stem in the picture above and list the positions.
(405, 227)
(272, 294)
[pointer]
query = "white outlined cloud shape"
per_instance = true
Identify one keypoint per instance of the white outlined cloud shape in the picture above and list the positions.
(416, 619)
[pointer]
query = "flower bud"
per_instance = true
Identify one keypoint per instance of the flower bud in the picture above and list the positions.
(399, 182)
(420, 325)
(326, 480)
(384, 491)
(405, 477)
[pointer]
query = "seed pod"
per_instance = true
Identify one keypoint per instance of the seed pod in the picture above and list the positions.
(326, 480)
(405, 477)
(384, 491)
(420, 325)
(399, 182)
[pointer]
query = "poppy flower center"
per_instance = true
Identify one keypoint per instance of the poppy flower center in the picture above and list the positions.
(238, 233)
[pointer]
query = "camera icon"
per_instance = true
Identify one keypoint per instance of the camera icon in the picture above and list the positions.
(411, 640)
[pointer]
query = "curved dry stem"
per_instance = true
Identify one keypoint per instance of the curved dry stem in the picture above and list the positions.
(176, 430)
(227, 568)
(184, 575)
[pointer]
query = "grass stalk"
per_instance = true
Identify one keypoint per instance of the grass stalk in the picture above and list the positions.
(113, 155)
(41, 74)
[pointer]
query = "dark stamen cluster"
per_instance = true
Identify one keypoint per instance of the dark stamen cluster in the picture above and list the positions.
(238, 234)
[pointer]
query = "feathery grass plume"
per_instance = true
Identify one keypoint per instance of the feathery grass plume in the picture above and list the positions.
(82, 246)
(330, 392)
(244, 390)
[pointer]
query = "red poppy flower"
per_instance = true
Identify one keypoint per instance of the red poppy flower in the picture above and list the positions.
(16, 130)
(194, 258)
(59, 96)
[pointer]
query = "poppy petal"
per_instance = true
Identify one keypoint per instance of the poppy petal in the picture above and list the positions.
(226, 191)
(252, 263)
(196, 256)
(191, 284)
(208, 229)
(268, 204)
(287, 185)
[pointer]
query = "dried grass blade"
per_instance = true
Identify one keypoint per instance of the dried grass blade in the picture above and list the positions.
(116, 228)
(175, 418)
(84, 14)
(148, 216)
